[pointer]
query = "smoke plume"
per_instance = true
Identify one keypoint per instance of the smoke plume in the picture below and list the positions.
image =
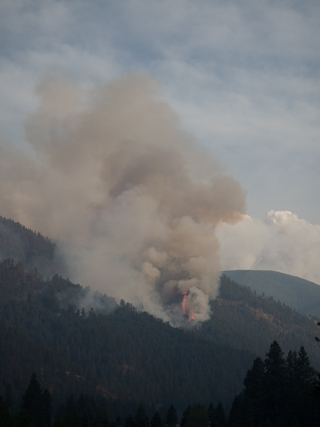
(112, 173)
(280, 242)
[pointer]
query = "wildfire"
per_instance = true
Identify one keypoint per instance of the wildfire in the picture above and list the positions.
(183, 302)
(190, 314)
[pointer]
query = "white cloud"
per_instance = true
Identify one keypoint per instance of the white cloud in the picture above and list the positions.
(280, 242)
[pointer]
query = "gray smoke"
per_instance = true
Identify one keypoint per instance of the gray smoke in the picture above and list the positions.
(112, 172)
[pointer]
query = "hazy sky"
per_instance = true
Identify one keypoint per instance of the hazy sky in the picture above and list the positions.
(243, 76)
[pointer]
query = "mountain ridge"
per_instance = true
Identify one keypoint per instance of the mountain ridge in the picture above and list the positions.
(298, 293)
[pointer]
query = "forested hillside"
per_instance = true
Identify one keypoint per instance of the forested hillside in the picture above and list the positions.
(124, 355)
(30, 248)
(300, 294)
(245, 320)
(79, 341)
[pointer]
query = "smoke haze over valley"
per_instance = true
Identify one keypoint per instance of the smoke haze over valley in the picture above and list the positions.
(146, 214)
(112, 173)
(152, 181)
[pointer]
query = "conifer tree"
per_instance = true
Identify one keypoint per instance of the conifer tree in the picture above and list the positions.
(254, 386)
(36, 405)
(5, 416)
(197, 416)
(274, 382)
(171, 418)
(221, 416)
(156, 420)
(129, 421)
(141, 419)
(212, 415)
(185, 414)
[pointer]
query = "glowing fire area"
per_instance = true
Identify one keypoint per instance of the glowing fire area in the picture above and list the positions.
(188, 314)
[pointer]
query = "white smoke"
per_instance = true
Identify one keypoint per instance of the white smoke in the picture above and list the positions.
(112, 172)
(280, 242)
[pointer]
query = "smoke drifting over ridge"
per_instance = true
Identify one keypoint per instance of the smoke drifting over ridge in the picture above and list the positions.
(112, 172)
(281, 242)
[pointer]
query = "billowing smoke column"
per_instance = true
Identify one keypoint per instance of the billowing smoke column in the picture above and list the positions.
(112, 173)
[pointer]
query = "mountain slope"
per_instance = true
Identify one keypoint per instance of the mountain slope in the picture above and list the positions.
(246, 320)
(30, 248)
(125, 355)
(300, 294)
(85, 342)
(130, 356)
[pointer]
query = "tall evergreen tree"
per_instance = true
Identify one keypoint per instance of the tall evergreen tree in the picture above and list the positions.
(5, 416)
(36, 404)
(221, 416)
(171, 418)
(184, 418)
(254, 385)
(71, 413)
(129, 421)
(141, 419)
(274, 382)
(197, 416)
(156, 420)
(212, 416)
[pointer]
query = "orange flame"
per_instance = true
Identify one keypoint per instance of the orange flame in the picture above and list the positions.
(183, 303)
(190, 314)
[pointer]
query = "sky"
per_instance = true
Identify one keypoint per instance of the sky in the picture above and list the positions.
(242, 77)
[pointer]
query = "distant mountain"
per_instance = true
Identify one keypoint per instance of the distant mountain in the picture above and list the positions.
(300, 294)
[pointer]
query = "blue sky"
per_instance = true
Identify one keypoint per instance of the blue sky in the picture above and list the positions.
(242, 76)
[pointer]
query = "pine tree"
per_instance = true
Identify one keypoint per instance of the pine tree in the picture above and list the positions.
(221, 415)
(171, 418)
(274, 382)
(254, 387)
(198, 416)
(156, 420)
(32, 402)
(212, 416)
(5, 416)
(184, 418)
(46, 410)
(129, 421)
(141, 419)
(71, 413)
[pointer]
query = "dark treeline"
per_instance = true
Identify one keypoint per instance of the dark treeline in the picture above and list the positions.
(130, 356)
(86, 411)
(278, 392)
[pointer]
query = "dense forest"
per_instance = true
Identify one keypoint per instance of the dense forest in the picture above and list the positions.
(246, 320)
(106, 364)
(123, 354)
(276, 392)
